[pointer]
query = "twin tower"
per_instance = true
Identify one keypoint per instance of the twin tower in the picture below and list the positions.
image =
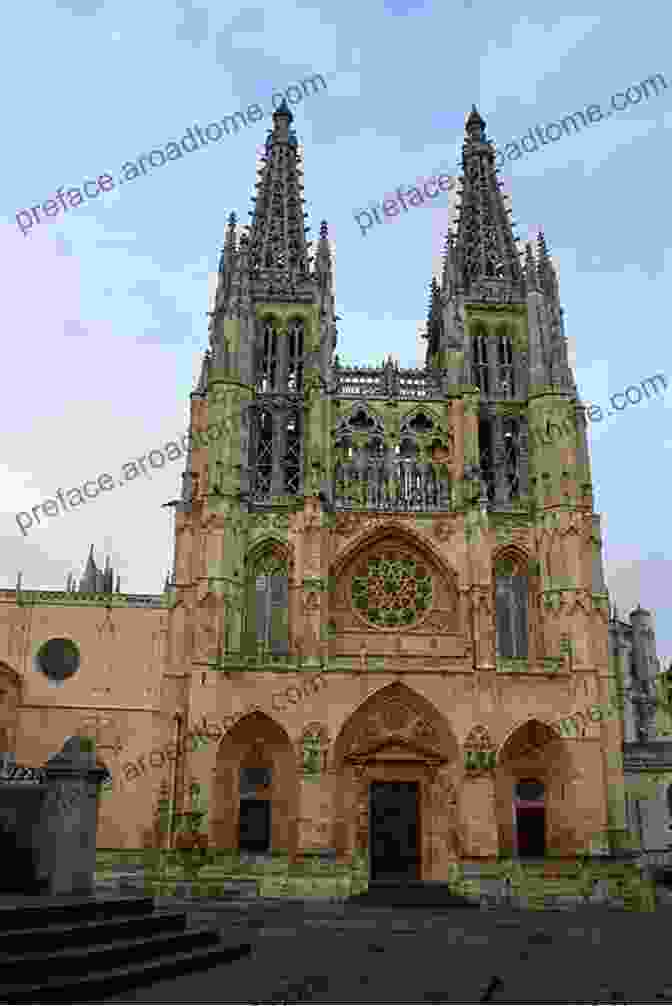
(318, 451)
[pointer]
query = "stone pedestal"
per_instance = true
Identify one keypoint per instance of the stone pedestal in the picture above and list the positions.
(67, 835)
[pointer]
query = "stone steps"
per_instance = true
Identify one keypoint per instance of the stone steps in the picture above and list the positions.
(415, 894)
(94, 948)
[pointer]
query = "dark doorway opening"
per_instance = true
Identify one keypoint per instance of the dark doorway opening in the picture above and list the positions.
(531, 831)
(394, 831)
(530, 815)
(255, 826)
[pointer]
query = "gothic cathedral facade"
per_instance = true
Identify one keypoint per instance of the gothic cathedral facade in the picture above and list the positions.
(388, 586)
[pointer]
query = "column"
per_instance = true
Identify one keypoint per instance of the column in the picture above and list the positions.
(479, 820)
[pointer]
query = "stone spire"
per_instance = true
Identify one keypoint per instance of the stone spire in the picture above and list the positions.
(87, 584)
(488, 266)
(94, 580)
(278, 251)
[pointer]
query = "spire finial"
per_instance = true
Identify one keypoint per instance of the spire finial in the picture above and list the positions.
(283, 109)
(475, 126)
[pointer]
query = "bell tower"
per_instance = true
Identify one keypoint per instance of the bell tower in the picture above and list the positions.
(272, 332)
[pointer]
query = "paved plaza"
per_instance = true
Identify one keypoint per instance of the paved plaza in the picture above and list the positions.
(335, 954)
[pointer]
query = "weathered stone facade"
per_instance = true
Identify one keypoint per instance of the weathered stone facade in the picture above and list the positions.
(390, 534)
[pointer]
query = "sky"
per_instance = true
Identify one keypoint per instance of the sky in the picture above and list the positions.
(106, 304)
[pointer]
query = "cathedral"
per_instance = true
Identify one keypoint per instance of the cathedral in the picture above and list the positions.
(386, 631)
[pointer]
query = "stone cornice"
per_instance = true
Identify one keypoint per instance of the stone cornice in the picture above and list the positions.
(62, 597)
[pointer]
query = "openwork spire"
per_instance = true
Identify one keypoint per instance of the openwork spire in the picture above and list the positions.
(278, 250)
(488, 267)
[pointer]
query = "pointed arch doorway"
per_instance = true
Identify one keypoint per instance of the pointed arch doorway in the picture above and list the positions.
(394, 831)
(396, 760)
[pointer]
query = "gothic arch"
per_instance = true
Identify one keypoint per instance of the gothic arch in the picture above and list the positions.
(515, 554)
(545, 734)
(257, 739)
(345, 425)
(396, 734)
(390, 528)
(420, 409)
(534, 749)
(390, 580)
(274, 546)
(395, 710)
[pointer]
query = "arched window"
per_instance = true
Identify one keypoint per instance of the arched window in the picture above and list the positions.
(267, 357)
(505, 375)
(295, 356)
(512, 456)
(481, 377)
(267, 604)
(511, 609)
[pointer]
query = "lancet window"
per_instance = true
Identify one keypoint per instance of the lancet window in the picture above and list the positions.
(505, 371)
(268, 358)
(511, 609)
(512, 456)
(267, 602)
(481, 373)
(295, 351)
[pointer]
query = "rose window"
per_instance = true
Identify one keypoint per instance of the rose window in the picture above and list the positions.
(389, 591)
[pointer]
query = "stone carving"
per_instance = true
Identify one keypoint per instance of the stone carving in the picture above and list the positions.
(312, 755)
(444, 529)
(347, 524)
(312, 750)
(394, 719)
(311, 601)
(480, 754)
(395, 716)
(424, 731)
(479, 739)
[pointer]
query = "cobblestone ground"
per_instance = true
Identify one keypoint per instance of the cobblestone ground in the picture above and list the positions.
(422, 956)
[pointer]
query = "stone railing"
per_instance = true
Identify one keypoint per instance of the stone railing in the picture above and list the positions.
(385, 382)
(410, 487)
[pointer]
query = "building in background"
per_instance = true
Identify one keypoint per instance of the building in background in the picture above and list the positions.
(385, 590)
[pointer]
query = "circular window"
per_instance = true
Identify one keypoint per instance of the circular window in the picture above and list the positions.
(389, 591)
(58, 659)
